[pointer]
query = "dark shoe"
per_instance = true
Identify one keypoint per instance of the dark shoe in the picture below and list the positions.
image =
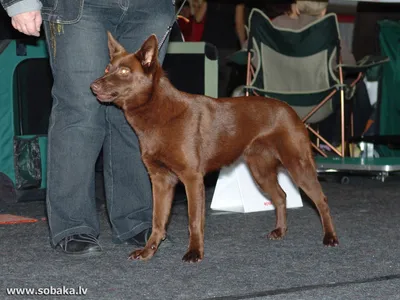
(79, 245)
(140, 239)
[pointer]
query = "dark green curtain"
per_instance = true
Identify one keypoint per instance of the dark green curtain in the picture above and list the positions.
(389, 121)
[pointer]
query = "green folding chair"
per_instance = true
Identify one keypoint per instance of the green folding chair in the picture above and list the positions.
(297, 66)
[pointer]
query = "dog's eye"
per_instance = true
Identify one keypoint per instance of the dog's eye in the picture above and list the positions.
(124, 71)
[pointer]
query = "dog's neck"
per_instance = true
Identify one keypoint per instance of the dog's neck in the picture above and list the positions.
(155, 106)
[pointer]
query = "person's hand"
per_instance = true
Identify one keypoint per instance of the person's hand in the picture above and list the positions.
(28, 23)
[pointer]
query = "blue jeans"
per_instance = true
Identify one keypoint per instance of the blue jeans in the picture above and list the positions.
(80, 126)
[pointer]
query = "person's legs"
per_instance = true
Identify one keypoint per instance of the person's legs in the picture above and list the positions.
(224, 72)
(77, 123)
(362, 108)
(127, 185)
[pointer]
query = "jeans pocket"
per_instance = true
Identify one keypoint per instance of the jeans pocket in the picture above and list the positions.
(49, 5)
(27, 161)
(62, 12)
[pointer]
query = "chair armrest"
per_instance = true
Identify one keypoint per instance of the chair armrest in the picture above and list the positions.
(363, 65)
(240, 57)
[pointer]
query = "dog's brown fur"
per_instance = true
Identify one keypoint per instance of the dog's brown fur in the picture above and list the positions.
(184, 136)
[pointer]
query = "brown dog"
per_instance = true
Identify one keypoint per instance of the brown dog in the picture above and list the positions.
(184, 136)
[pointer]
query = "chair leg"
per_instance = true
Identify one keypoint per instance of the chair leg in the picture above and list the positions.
(352, 145)
(318, 150)
(342, 127)
(327, 98)
(248, 73)
(322, 139)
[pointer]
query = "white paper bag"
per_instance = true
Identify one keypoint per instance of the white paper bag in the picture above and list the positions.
(236, 191)
(372, 89)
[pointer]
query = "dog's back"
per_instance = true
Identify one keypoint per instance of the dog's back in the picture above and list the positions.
(226, 127)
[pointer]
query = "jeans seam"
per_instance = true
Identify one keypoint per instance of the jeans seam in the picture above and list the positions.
(48, 176)
(110, 169)
(51, 125)
(122, 16)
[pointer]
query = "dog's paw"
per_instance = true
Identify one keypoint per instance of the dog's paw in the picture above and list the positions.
(142, 254)
(330, 240)
(277, 234)
(193, 256)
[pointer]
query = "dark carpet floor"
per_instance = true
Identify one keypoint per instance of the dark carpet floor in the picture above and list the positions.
(240, 263)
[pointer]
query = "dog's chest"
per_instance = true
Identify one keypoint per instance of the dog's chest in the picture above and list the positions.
(151, 142)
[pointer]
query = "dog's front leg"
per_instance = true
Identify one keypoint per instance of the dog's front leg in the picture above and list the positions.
(194, 186)
(163, 183)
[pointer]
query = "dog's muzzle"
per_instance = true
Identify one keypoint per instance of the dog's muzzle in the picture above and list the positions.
(100, 94)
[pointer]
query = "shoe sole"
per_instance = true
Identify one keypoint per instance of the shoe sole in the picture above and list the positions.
(91, 253)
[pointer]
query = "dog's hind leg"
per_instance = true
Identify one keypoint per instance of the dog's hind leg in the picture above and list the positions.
(302, 170)
(264, 169)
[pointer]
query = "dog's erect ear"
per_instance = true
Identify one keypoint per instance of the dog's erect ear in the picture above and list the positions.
(114, 47)
(148, 53)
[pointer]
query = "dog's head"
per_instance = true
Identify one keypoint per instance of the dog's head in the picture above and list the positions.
(128, 75)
